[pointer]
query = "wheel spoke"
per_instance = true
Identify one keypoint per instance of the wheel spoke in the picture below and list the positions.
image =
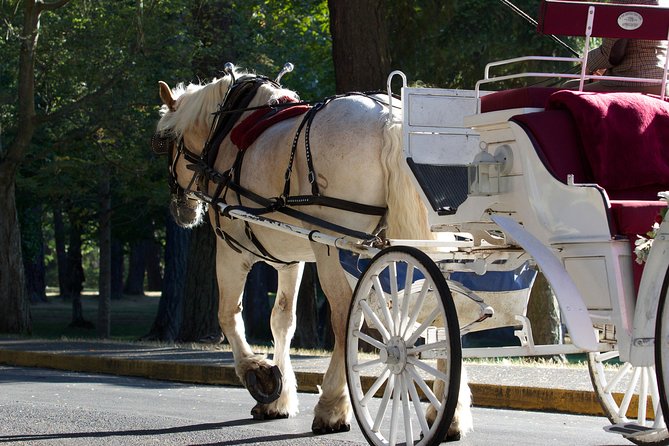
(394, 422)
(384, 404)
(655, 399)
(364, 365)
(369, 340)
(375, 387)
(643, 397)
(415, 399)
(601, 357)
(619, 375)
(394, 296)
(408, 428)
(426, 323)
(383, 304)
(375, 322)
(429, 369)
(441, 345)
(625, 403)
(425, 388)
(408, 282)
(417, 307)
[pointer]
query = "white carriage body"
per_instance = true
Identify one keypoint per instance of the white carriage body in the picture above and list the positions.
(445, 134)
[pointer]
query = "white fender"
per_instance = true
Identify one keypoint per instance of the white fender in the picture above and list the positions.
(654, 272)
(574, 311)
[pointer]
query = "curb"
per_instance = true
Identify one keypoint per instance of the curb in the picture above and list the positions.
(577, 402)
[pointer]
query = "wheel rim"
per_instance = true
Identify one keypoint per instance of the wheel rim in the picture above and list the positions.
(403, 296)
(621, 388)
(662, 348)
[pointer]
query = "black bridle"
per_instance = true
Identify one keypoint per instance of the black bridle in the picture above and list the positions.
(167, 143)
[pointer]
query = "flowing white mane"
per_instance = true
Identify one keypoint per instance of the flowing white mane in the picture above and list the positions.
(195, 103)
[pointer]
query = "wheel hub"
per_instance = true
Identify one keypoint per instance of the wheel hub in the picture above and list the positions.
(395, 356)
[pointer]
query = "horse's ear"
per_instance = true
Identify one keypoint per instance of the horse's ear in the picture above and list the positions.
(166, 95)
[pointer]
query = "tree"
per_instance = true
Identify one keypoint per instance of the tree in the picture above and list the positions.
(167, 324)
(448, 49)
(16, 315)
(359, 44)
(200, 320)
(104, 282)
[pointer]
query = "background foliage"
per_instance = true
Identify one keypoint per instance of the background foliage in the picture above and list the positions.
(113, 53)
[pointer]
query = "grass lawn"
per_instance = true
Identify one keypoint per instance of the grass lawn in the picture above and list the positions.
(131, 317)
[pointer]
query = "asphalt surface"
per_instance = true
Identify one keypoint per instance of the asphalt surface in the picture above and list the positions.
(551, 388)
(42, 407)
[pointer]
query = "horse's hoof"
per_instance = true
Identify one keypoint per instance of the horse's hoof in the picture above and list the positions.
(259, 413)
(330, 429)
(258, 388)
(453, 437)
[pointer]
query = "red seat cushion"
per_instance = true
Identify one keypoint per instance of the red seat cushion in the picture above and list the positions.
(530, 97)
(632, 218)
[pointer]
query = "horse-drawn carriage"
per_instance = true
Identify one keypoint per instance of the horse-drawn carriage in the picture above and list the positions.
(429, 218)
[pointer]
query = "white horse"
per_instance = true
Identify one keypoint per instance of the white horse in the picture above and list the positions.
(356, 156)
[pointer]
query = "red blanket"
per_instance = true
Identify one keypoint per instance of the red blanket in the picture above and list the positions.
(246, 132)
(625, 136)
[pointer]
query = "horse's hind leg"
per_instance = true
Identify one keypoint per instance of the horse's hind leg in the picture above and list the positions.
(462, 422)
(283, 329)
(333, 411)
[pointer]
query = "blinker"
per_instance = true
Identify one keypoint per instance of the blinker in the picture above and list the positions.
(161, 142)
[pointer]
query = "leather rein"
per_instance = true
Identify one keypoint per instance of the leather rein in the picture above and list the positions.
(235, 103)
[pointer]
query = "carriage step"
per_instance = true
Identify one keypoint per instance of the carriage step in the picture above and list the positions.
(640, 434)
(626, 428)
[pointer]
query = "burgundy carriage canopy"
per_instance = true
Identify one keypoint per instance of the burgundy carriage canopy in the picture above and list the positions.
(569, 18)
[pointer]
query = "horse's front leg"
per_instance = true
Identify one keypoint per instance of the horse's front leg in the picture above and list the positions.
(283, 328)
(333, 411)
(259, 375)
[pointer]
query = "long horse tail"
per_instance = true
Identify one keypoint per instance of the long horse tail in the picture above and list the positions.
(407, 215)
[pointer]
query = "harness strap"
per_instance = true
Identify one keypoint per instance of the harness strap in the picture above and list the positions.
(337, 203)
(238, 247)
(277, 205)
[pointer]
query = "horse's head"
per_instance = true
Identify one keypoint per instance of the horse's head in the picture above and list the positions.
(181, 133)
(186, 121)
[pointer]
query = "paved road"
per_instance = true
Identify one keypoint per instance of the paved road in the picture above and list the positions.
(48, 407)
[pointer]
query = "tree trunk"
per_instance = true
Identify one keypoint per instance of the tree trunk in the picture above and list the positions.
(543, 312)
(32, 245)
(15, 317)
(75, 277)
(154, 278)
(200, 322)
(73, 284)
(261, 281)
(359, 44)
(167, 323)
(116, 269)
(134, 283)
(104, 298)
(306, 332)
(15, 314)
(61, 251)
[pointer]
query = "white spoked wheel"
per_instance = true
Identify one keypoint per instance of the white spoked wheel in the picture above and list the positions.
(662, 348)
(626, 393)
(402, 334)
